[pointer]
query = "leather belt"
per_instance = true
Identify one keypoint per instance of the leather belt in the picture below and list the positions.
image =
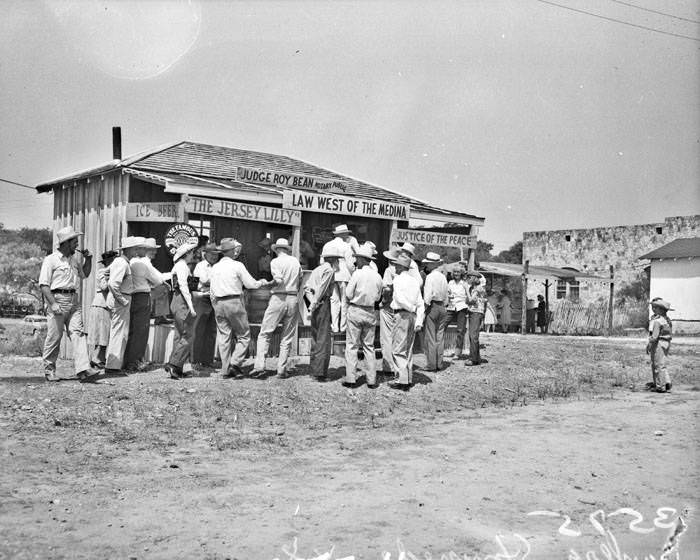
(438, 302)
(232, 296)
(284, 293)
(61, 291)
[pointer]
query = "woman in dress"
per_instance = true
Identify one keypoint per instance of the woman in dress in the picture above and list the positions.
(490, 314)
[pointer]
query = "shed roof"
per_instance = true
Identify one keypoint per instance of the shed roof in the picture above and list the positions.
(679, 248)
(195, 162)
(513, 269)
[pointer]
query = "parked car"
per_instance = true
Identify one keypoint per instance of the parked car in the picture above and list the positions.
(34, 324)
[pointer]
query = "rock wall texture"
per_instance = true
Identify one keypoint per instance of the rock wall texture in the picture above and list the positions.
(595, 250)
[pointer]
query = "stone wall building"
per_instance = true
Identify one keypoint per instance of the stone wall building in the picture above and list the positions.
(595, 250)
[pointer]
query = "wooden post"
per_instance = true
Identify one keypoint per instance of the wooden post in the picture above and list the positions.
(610, 300)
(547, 284)
(523, 312)
(296, 241)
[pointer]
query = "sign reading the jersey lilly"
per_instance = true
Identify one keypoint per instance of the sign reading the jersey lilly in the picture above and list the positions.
(242, 211)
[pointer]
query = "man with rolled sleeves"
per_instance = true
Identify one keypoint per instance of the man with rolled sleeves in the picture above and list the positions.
(60, 282)
(121, 286)
(362, 293)
(344, 244)
(282, 307)
(205, 321)
(435, 294)
(317, 291)
(227, 280)
(407, 305)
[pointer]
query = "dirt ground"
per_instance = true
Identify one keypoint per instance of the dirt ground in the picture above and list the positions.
(550, 450)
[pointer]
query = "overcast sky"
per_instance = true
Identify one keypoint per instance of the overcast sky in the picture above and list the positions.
(532, 115)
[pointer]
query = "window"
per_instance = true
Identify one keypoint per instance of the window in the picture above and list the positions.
(561, 289)
(567, 237)
(568, 289)
(202, 226)
(659, 230)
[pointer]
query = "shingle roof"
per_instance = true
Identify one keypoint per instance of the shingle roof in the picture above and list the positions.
(195, 161)
(680, 248)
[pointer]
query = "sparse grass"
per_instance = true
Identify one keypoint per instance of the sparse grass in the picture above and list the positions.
(15, 342)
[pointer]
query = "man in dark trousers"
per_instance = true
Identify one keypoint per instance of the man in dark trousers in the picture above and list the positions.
(317, 291)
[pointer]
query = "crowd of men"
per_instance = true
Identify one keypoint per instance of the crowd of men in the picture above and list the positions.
(345, 293)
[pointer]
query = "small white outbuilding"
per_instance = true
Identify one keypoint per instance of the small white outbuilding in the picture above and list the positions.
(675, 276)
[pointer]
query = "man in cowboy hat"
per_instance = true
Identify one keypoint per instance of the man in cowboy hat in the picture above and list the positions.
(476, 306)
(100, 320)
(435, 297)
(317, 291)
(204, 343)
(228, 279)
(407, 305)
(345, 245)
(145, 277)
(373, 248)
(121, 286)
(60, 281)
(283, 307)
(660, 335)
(362, 292)
(409, 250)
(386, 313)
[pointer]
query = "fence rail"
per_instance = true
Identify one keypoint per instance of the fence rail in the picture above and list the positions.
(569, 317)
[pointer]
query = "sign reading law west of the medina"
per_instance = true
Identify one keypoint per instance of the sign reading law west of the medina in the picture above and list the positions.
(153, 211)
(335, 204)
(289, 180)
(420, 237)
(242, 211)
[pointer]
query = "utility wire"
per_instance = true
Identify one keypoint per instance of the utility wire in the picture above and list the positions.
(15, 183)
(618, 20)
(654, 11)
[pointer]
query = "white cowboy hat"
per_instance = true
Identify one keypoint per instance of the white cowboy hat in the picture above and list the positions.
(66, 234)
(182, 250)
(132, 241)
(372, 246)
(282, 243)
(432, 258)
(391, 254)
(660, 302)
(365, 251)
(403, 260)
(151, 243)
(331, 252)
(228, 244)
(342, 229)
(408, 247)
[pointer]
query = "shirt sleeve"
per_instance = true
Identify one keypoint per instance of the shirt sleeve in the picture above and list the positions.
(154, 277)
(182, 272)
(350, 288)
(655, 331)
(101, 279)
(428, 290)
(46, 271)
(247, 280)
(420, 311)
(277, 272)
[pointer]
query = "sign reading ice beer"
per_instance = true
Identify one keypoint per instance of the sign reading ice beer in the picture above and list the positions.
(420, 237)
(242, 211)
(289, 180)
(152, 211)
(336, 204)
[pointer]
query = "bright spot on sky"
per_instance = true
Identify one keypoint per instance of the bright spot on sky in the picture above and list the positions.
(619, 153)
(132, 40)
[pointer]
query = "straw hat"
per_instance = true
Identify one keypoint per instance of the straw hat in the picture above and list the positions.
(408, 247)
(341, 229)
(66, 234)
(403, 260)
(132, 241)
(281, 243)
(182, 250)
(151, 243)
(330, 253)
(432, 258)
(372, 246)
(365, 251)
(391, 254)
(660, 302)
(228, 244)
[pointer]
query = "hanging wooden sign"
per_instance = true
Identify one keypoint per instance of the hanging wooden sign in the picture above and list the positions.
(242, 211)
(336, 204)
(421, 237)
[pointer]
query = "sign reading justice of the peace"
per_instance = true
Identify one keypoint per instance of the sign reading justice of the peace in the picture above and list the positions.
(152, 211)
(420, 237)
(242, 211)
(291, 180)
(336, 204)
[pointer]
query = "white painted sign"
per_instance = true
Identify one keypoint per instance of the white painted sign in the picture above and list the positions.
(289, 180)
(152, 211)
(242, 211)
(336, 204)
(421, 237)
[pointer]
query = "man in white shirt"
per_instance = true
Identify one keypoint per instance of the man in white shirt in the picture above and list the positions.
(409, 250)
(60, 281)
(121, 286)
(283, 306)
(317, 292)
(228, 279)
(407, 305)
(435, 297)
(457, 307)
(145, 277)
(204, 328)
(386, 314)
(346, 245)
(362, 292)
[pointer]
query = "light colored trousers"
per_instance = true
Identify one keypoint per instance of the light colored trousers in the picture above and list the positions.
(232, 331)
(284, 308)
(72, 321)
(361, 325)
(659, 351)
(386, 328)
(339, 307)
(118, 333)
(402, 345)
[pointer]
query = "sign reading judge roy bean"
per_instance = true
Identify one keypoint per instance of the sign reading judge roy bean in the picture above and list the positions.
(335, 204)
(419, 237)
